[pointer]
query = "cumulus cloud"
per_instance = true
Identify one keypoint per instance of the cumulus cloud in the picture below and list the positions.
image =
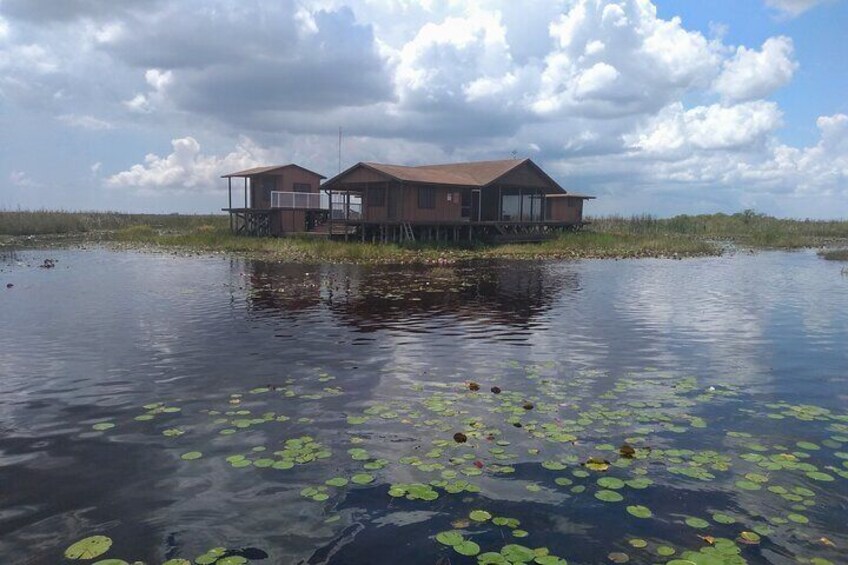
(752, 74)
(676, 130)
(187, 169)
(240, 63)
(608, 95)
(619, 59)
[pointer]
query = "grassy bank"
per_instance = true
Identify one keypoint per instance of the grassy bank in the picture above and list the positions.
(607, 237)
(834, 254)
(571, 245)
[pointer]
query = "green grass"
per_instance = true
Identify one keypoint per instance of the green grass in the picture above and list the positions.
(55, 222)
(747, 228)
(605, 237)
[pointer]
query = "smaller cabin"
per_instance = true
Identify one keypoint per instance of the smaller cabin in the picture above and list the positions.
(278, 200)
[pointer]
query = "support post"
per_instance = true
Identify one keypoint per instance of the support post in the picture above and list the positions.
(245, 193)
(230, 200)
(330, 197)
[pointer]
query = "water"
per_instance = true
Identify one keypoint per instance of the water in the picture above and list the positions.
(668, 356)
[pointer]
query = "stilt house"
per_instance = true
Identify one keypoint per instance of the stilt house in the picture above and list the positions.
(512, 200)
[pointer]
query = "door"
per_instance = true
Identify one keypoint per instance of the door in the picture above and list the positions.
(268, 185)
(475, 205)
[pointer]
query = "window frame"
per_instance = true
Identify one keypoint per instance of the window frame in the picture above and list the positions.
(426, 197)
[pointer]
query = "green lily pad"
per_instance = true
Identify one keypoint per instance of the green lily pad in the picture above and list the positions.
(698, 523)
(449, 538)
(608, 496)
(362, 479)
(337, 482)
(550, 560)
(89, 548)
(467, 547)
(610, 483)
(638, 543)
(191, 455)
(114, 562)
(665, 550)
(798, 518)
(515, 553)
(232, 560)
(176, 562)
(639, 511)
(480, 515)
(103, 426)
(720, 518)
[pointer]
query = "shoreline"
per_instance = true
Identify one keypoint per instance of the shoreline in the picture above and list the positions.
(573, 246)
(612, 237)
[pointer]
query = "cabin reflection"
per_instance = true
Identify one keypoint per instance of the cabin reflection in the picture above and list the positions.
(371, 298)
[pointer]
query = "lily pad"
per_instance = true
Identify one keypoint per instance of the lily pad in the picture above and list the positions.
(362, 479)
(191, 455)
(467, 547)
(639, 512)
(480, 515)
(449, 538)
(89, 548)
(608, 496)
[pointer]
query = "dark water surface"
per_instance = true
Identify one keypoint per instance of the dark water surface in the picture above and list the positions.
(712, 370)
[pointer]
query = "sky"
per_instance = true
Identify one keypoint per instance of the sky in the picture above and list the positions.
(665, 107)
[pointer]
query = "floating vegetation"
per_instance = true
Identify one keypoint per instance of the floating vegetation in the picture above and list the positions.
(89, 548)
(611, 446)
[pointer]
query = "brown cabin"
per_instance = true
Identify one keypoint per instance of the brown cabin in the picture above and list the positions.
(508, 200)
(278, 200)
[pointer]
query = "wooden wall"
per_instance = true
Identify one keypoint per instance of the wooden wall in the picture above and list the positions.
(284, 181)
(291, 221)
(560, 211)
(444, 210)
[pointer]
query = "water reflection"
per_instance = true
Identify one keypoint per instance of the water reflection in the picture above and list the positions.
(106, 333)
(377, 298)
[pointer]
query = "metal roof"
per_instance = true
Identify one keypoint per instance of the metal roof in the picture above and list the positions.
(266, 170)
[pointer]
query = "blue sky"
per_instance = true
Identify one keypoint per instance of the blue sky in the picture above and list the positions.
(660, 107)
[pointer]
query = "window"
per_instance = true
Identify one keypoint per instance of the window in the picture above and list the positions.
(426, 197)
(302, 187)
(377, 196)
(572, 202)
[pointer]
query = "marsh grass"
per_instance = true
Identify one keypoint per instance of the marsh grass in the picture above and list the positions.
(605, 237)
(54, 222)
(748, 228)
(834, 254)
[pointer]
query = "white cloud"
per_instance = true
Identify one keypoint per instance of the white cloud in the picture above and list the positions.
(613, 60)
(752, 74)
(85, 122)
(793, 7)
(713, 127)
(186, 169)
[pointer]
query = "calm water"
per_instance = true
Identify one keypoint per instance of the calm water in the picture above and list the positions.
(374, 365)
